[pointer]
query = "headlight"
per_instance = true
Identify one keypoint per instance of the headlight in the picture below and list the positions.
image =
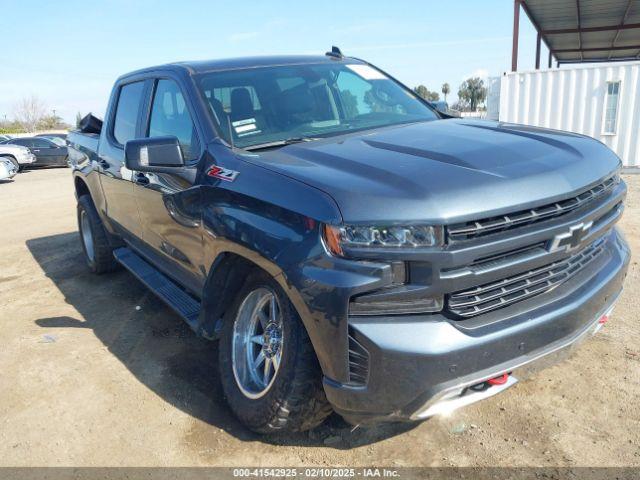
(351, 237)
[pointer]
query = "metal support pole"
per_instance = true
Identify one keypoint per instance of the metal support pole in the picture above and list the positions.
(538, 42)
(550, 58)
(516, 34)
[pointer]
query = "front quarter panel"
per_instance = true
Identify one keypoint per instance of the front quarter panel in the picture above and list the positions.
(274, 222)
(261, 211)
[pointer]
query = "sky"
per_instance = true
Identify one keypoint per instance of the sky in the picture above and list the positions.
(69, 52)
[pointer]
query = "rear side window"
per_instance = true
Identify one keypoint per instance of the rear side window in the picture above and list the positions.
(170, 116)
(25, 142)
(40, 143)
(124, 127)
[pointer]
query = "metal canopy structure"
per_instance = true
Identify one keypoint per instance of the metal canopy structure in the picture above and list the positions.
(580, 31)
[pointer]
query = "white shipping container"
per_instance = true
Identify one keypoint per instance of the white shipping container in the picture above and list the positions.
(601, 101)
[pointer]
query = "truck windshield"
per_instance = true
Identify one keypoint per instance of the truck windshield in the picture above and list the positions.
(274, 106)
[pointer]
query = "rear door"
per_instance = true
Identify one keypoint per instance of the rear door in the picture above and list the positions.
(47, 152)
(123, 124)
(168, 205)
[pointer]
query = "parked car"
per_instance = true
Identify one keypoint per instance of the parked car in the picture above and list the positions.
(19, 155)
(350, 247)
(4, 137)
(8, 169)
(47, 153)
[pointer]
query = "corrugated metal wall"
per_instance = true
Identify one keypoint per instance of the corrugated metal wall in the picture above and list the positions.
(573, 99)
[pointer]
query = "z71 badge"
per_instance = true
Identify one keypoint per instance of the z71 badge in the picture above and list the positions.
(223, 173)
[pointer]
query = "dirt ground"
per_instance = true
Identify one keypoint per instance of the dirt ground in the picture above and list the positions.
(94, 371)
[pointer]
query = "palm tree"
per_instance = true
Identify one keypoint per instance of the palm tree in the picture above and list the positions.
(445, 90)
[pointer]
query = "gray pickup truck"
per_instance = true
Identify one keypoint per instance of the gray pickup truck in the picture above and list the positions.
(351, 248)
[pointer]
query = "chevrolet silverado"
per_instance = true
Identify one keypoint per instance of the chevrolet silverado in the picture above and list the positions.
(350, 247)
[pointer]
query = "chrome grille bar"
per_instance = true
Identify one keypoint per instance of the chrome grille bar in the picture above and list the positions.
(462, 231)
(490, 296)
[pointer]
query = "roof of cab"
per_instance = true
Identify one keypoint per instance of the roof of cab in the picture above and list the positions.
(202, 66)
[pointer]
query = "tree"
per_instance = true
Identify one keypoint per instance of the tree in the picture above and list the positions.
(78, 119)
(446, 90)
(472, 92)
(29, 111)
(349, 103)
(52, 122)
(375, 104)
(425, 93)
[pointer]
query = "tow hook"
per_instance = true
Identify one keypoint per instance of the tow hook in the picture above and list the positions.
(499, 380)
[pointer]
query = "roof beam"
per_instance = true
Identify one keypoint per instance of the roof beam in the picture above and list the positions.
(609, 28)
(596, 49)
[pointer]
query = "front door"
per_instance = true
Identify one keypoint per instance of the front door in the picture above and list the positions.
(168, 205)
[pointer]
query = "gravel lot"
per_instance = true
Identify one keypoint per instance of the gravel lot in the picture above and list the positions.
(94, 371)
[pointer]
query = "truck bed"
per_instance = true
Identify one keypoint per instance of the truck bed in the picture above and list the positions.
(82, 147)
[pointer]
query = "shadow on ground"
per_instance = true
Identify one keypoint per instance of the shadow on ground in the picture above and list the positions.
(160, 349)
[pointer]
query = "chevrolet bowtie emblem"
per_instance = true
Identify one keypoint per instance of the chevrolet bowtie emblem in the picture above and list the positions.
(572, 239)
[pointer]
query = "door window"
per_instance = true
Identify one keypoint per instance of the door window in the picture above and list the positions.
(40, 143)
(170, 116)
(124, 127)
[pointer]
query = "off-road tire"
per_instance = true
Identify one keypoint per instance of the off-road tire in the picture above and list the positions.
(296, 400)
(102, 260)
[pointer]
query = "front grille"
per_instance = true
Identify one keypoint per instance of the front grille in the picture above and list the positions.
(509, 290)
(358, 362)
(463, 231)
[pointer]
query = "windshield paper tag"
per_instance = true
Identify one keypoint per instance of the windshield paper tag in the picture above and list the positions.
(367, 72)
(242, 126)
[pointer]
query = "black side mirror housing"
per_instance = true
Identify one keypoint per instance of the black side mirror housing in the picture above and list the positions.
(155, 154)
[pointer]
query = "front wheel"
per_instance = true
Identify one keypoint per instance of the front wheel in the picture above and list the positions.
(14, 161)
(269, 371)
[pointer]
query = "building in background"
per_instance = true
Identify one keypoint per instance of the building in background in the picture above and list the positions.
(601, 99)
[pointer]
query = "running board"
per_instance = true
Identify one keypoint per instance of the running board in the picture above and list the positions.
(180, 301)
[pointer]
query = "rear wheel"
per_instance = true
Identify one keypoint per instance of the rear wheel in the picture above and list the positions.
(98, 252)
(269, 371)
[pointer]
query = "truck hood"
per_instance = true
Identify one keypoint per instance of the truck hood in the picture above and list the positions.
(444, 171)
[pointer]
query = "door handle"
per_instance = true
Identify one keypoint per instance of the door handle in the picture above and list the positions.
(141, 179)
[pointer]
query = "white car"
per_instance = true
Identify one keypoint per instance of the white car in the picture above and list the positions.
(7, 169)
(19, 155)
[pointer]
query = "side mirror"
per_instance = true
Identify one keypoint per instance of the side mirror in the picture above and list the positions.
(153, 154)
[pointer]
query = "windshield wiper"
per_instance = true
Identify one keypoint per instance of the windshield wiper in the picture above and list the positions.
(279, 143)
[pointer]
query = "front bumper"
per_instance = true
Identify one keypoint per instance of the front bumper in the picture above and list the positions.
(26, 159)
(418, 362)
